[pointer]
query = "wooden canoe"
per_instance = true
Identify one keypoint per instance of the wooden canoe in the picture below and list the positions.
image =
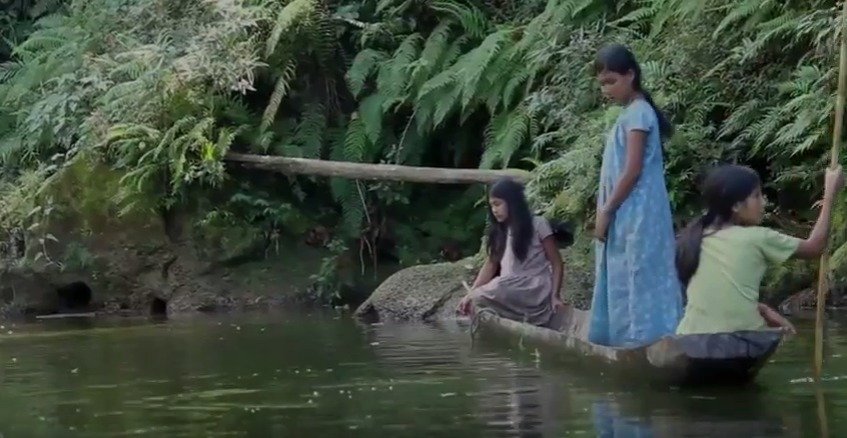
(701, 359)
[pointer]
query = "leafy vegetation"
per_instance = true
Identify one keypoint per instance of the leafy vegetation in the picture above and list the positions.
(160, 91)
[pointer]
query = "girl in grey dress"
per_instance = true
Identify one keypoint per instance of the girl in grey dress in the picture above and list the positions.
(524, 251)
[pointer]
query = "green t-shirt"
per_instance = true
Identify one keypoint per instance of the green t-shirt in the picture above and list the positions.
(723, 294)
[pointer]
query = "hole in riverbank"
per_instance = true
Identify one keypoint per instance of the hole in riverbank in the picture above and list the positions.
(8, 295)
(74, 296)
(158, 307)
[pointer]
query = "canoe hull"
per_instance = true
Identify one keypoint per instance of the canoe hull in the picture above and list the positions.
(707, 359)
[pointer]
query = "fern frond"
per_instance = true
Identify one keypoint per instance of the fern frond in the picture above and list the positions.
(434, 49)
(504, 136)
(473, 21)
(370, 112)
(364, 65)
(355, 141)
(346, 194)
(323, 37)
(283, 85)
(394, 6)
(474, 64)
(393, 77)
(296, 13)
(226, 137)
(436, 99)
(740, 11)
(444, 104)
(311, 130)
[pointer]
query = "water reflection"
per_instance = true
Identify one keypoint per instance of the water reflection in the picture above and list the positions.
(507, 398)
(609, 423)
(691, 416)
(325, 376)
(820, 402)
(516, 394)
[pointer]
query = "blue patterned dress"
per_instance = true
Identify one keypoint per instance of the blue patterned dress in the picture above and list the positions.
(637, 297)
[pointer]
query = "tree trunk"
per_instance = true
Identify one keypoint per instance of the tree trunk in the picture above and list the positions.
(368, 171)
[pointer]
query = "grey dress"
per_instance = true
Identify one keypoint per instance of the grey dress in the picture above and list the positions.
(524, 289)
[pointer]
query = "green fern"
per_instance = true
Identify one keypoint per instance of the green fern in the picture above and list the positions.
(160, 91)
(283, 85)
(393, 77)
(351, 146)
(323, 39)
(432, 57)
(475, 24)
(310, 131)
(475, 63)
(371, 113)
(364, 65)
(505, 136)
(296, 13)
(355, 145)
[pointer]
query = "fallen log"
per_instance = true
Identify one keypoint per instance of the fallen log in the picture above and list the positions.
(368, 171)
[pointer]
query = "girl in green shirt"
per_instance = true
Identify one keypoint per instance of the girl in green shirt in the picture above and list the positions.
(722, 257)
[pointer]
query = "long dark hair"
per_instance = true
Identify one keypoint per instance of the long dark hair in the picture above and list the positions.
(724, 187)
(618, 59)
(519, 221)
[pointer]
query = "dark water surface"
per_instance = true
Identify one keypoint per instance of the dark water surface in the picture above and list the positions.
(325, 375)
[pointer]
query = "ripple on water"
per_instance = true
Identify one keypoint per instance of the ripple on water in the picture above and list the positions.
(318, 376)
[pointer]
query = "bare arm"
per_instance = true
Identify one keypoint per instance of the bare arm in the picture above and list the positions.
(774, 319)
(486, 274)
(816, 243)
(552, 252)
(635, 143)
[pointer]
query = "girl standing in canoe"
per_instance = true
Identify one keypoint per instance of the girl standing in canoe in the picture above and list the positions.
(722, 257)
(637, 297)
(522, 247)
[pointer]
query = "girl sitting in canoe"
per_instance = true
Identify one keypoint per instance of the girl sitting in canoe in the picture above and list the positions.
(637, 297)
(722, 257)
(524, 250)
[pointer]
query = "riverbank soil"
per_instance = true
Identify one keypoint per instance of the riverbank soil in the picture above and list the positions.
(134, 267)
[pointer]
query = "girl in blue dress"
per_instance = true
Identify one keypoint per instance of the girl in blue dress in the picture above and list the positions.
(637, 295)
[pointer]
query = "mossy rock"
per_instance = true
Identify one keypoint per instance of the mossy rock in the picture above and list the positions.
(433, 291)
(420, 292)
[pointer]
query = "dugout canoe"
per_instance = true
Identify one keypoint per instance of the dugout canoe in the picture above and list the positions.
(700, 359)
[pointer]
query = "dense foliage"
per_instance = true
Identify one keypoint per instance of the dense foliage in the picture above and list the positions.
(160, 90)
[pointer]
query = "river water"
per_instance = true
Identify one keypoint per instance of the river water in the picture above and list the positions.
(326, 375)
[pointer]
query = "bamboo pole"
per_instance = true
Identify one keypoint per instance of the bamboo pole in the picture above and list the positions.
(368, 171)
(820, 401)
(823, 272)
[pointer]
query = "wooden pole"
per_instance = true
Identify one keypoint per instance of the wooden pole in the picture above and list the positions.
(368, 171)
(823, 420)
(823, 272)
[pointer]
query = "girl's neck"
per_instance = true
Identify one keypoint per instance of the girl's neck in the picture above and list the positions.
(720, 224)
(635, 95)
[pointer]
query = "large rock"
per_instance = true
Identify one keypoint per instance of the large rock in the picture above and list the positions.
(433, 291)
(420, 292)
